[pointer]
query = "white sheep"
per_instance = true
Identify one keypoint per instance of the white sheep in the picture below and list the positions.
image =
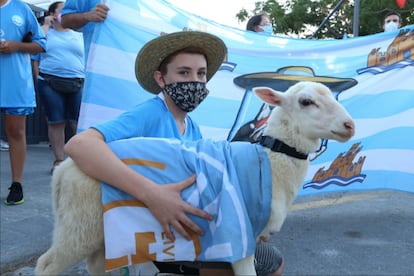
(305, 113)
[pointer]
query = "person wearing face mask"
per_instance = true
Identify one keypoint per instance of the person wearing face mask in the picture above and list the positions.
(60, 79)
(175, 68)
(260, 23)
(392, 21)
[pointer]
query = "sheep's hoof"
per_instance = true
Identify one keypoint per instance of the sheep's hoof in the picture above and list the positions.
(264, 238)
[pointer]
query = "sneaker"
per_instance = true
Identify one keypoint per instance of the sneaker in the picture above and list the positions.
(15, 196)
(4, 146)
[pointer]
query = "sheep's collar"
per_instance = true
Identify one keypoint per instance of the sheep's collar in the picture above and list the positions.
(278, 146)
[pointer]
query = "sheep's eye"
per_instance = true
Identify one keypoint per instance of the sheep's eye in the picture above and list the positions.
(306, 102)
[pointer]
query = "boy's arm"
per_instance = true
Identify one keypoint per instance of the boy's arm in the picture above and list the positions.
(94, 157)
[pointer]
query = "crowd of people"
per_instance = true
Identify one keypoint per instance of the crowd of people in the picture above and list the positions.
(170, 67)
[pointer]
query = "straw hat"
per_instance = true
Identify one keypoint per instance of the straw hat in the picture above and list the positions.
(155, 51)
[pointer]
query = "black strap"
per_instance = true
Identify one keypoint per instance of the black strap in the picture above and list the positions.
(278, 146)
(43, 75)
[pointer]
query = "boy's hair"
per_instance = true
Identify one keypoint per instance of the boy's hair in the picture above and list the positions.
(393, 13)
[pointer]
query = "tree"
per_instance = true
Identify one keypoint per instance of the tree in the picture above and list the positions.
(301, 18)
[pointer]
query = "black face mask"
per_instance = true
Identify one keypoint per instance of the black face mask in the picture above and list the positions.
(186, 95)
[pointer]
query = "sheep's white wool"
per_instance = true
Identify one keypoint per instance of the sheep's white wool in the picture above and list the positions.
(305, 113)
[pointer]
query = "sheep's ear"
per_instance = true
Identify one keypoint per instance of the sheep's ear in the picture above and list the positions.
(268, 95)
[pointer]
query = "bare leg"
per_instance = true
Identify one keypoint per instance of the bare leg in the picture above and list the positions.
(15, 126)
(57, 139)
(73, 127)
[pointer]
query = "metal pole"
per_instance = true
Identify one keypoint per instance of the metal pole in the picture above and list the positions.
(356, 18)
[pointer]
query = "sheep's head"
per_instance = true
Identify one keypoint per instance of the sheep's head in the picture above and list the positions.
(311, 110)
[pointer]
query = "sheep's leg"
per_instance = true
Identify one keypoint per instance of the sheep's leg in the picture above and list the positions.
(244, 266)
(96, 262)
(55, 261)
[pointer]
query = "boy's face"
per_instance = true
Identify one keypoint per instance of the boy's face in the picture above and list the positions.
(184, 67)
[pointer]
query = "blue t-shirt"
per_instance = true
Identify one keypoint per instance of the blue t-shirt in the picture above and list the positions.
(16, 81)
(65, 55)
(148, 119)
(76, 6)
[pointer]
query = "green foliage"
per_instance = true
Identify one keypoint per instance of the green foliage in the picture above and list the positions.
(301, 18)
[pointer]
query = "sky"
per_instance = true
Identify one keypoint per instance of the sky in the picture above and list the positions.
(221, 11)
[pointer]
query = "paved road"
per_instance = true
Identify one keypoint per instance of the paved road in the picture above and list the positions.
(349, 233)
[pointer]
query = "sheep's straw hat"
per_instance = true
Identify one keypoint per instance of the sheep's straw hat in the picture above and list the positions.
(155, 51)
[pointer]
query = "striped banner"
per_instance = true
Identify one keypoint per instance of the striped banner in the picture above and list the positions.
(371, 76)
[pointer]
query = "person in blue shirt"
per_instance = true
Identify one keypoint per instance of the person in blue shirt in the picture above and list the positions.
(84, 15)
(63, 61)
(20, 36)
(260, 23)
(176, 68)
(182, 71)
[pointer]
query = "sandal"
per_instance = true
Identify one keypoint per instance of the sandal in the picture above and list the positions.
(55, 164)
